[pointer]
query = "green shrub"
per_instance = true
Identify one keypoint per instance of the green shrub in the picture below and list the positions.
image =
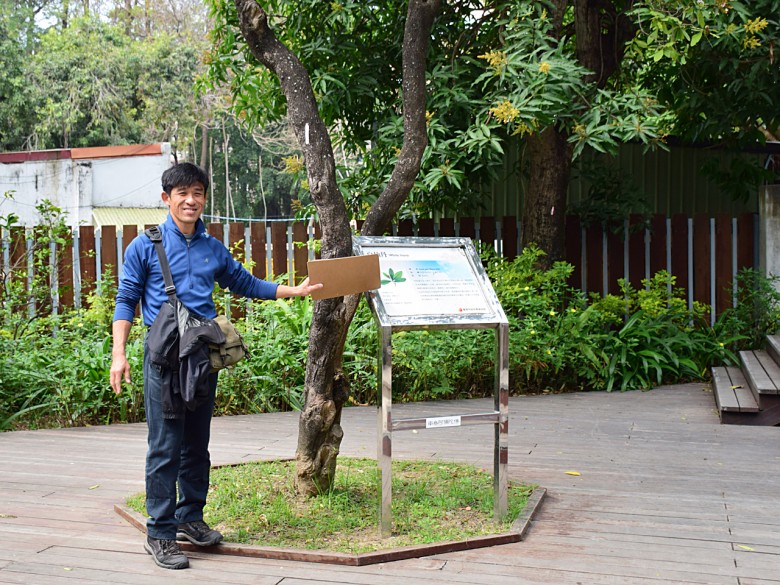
(54, 371)
(757, 313)
(637, 339)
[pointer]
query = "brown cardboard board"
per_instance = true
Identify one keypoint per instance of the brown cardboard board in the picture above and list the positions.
(344, 276)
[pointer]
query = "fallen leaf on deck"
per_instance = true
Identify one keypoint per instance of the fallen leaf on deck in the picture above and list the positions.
(573, 473)
(743, 547)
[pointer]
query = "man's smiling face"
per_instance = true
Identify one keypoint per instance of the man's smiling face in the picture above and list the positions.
(186, 204)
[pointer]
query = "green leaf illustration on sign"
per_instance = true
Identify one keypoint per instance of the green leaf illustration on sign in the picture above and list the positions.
(391, 276)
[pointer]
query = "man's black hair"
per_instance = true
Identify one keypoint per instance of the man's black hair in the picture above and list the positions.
(184, 175)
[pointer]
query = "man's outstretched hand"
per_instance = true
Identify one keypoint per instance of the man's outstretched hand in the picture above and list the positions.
(303, 289)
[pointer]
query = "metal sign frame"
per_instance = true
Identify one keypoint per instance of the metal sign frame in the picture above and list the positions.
(486, 313)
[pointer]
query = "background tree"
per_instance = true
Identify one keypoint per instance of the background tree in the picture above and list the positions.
(353, 53)
(547, 72)
(59, 91)
(714, 65)
(264, 171)
(16, 46)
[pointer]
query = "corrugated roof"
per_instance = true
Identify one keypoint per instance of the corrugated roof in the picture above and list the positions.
(119, 216)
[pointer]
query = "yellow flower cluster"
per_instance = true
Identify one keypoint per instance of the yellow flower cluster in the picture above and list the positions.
(544, 67)
(755, 26)
(752, 28)
(496, 59)
(292, 164)
(521, 129)
(505, 112)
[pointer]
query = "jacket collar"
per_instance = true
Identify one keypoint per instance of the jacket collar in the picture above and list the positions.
(169, 224)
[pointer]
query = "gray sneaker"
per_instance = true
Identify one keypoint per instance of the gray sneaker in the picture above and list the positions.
(199, 533)
(166, 553)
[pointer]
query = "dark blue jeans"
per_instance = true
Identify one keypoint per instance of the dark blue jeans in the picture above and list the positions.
(177, 454)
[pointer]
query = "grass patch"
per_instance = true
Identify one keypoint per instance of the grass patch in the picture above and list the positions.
(255, 503)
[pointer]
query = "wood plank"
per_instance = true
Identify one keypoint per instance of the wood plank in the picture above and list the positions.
(258, 245)
(657, 244)
(771, 368)
(723, 387)
(594, 258)
(573, 249)
(487, 231)
(666, 495)
(425, 227)
(108, 252)
(701, 258)
(636, 251)
(279, 248)
(680, 250)
(509, 236)
(236, 240)
(467, 227)
(300, 250)
(65, 272)
(773, 346)
(723, 262)
(406, 228)
(745, 241)
(87, 260)
(446, 227)
(755, 373)
(615, 268)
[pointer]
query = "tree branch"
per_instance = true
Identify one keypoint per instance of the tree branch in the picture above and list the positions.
(417, 33)
(306, 123)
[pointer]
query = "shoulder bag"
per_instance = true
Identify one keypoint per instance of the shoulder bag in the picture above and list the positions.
(221, 355)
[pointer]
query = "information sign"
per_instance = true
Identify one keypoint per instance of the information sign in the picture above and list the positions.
(435, 283)
(430, 281)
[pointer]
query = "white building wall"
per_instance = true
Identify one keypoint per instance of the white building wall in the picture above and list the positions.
(129, 182)
(79, 185)
(32, 182)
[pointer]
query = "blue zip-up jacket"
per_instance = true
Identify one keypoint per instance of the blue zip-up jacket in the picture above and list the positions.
(195, 267)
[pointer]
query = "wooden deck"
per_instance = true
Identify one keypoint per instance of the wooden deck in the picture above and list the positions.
(666, 495)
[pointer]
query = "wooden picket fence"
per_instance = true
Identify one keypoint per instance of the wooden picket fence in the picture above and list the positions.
(704, 253)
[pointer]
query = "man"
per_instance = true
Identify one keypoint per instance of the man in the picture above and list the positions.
(178, 447)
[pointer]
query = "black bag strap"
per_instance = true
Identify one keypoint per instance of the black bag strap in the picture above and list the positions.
(155, 234)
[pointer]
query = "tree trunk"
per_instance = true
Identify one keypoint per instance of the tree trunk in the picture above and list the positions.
(601, 34)
(602, 31)
(326, 387)
(549, 161)
(128, 16)
(549, 165)
(204, 144)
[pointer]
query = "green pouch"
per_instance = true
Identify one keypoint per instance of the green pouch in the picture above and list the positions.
(232, 351)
